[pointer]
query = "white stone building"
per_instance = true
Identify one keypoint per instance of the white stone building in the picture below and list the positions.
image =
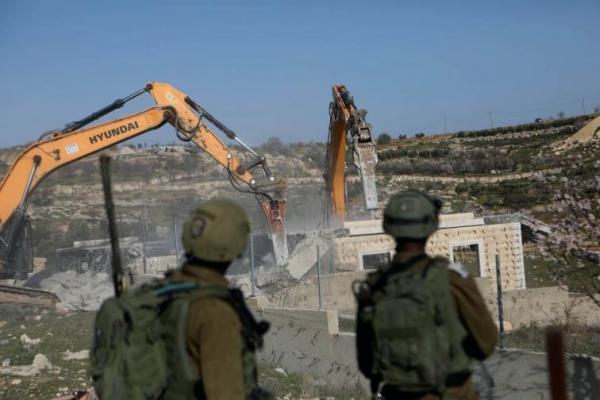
(461, 237)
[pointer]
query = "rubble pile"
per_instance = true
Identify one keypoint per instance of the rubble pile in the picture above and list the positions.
(85, 291)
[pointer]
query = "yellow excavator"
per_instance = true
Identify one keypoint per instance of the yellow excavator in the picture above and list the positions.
(348, 128)
(58, 148)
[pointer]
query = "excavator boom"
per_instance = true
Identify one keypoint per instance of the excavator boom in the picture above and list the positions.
(58, 148)
(45, 156)
(348, 127)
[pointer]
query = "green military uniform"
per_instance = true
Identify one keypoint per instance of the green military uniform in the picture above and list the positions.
(187, 336)
(467, 328)
(214, 338)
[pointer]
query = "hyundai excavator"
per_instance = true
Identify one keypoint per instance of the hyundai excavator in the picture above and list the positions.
(348, 128)
(75, 141)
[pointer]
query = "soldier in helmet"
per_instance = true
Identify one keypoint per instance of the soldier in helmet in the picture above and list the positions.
(420, 320)
(219, 332)
(188, 336)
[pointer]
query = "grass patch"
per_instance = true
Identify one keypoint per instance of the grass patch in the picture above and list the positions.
(61, 332)
(577, 339)
(537, 272)
(347, 324)
(296, 386)
(58, 333)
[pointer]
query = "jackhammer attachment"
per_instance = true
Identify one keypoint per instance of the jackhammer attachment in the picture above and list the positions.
(365, 159)
(274, 211)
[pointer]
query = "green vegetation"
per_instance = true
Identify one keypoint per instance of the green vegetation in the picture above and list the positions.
(73, 331)
(383, 139)
(514, 194)
(296, 386)
(58, 333)
(558, 123)
(427, 151)
(577, 339)
(538, 272)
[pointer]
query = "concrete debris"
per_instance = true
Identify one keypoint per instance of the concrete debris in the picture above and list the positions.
(244, 283)
(84, 291)
(27, 342)
(5, 362)
(40, 363)
(78, 355)
(304, 256)
(16, 382)
(280, 371)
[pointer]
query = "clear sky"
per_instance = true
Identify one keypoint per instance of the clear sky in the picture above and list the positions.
(266, 68)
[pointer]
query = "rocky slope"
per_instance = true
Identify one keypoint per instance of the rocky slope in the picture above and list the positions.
(488, 172)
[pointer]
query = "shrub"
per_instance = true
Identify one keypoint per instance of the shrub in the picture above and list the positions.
(384, 138)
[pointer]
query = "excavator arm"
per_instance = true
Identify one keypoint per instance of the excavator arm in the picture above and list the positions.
(45, 156)
(348, 127)
(56, 149)
(189, 123)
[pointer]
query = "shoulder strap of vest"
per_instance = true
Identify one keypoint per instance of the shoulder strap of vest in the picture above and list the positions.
(254, 330)
(437, 260)
(385, 275)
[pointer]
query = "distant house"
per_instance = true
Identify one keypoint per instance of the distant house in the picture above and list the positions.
(172, 148)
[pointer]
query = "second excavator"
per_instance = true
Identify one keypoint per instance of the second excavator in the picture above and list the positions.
(348, 128)
(75, 141)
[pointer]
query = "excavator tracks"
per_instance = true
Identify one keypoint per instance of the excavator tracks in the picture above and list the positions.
(22, 295)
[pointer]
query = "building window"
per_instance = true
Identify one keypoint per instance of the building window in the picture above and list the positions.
(375, 260)
(468, 255)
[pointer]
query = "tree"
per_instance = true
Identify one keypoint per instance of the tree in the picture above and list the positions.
(420, 135)
(384, 138)
(274, 145)
(401, 137)
(561, 115)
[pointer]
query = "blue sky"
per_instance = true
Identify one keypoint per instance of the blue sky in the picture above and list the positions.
(266, 68)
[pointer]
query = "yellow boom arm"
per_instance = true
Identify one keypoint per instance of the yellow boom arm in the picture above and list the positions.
(59, 148)
(347, 124)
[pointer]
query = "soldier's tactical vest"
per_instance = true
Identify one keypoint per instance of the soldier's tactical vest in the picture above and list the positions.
(417, 334)
(140, 343)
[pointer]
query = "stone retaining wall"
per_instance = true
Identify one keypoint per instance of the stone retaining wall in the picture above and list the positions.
(309, 342)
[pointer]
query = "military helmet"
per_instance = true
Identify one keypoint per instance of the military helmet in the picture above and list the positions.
(411, 214)
(216, 231)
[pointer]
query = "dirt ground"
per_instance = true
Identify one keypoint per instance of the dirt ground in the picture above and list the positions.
(72, 331)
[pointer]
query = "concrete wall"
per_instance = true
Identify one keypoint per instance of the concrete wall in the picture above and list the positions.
(335, 291)
(542, 306)
(546, 306)
(309, 342)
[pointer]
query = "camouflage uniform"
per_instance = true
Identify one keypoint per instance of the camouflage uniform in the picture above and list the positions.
(408, 217)
(215, 234)
(214, 338)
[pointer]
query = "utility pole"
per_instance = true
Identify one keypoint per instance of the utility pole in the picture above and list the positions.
(583, 105)
(175, 242)
(319, 278)
(144, 240)
(491, 123)
(500, 303)
(252, 279)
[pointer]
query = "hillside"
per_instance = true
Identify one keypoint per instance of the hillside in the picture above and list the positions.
(509, 170)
